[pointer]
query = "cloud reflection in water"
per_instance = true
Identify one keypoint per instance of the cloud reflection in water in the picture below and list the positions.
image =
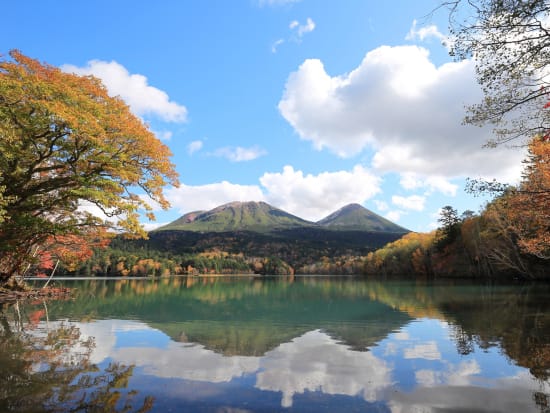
(317, 362)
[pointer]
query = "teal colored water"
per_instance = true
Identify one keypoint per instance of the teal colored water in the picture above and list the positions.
(304, 344)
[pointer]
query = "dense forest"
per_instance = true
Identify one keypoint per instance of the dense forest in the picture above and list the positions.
(66, 143)
(297, 251)
(509, 238)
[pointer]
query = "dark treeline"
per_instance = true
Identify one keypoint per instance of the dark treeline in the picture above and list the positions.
(131, 258)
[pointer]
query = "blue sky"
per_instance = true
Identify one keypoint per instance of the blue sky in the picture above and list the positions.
(305, 104)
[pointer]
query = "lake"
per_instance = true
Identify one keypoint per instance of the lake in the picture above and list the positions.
(298, 344)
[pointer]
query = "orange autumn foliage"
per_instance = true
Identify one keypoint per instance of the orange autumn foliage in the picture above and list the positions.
(529, 206)
(65, 143)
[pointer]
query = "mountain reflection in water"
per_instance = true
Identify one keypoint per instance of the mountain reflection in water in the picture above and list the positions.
(279, 344)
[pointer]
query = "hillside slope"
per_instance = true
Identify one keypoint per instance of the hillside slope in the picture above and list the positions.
(359, 218)
(237, 216)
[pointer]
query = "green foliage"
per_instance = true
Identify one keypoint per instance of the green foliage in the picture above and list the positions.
(303, 251)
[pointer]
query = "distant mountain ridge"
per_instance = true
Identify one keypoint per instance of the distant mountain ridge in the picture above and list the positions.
(357, 217)
(262, 217)
(237, 216)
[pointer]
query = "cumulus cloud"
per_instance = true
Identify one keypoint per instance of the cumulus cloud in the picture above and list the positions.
(413, 202)
(315, 196)
(425, 32)
(381, 205)
(188, 198)
(240, 154)
(142, 98)
(427, 351)
(296, 368)
(454, 375)
(194, 146)
(308, 196)
(401, 106)
(411, 181)
(394, 216)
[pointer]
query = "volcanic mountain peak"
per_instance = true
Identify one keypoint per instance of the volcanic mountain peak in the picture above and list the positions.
(262, 217)
(237, 216)
(357, 217)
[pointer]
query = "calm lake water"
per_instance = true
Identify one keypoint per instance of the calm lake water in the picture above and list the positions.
(304, 344)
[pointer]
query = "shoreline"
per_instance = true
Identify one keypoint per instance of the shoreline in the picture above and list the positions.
(11, 296)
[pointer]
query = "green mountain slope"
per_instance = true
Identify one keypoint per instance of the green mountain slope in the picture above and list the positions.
(237, 216)
(258, 232)
(356, 217)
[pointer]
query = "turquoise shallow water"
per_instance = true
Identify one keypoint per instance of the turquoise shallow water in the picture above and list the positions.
(305, 344)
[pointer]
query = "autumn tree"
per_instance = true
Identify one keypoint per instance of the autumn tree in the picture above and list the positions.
(529, 204)
(450, 225)
(66, 146)
(509, 41)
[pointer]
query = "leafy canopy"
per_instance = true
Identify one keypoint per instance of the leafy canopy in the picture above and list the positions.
(65, 143)
(509, 41)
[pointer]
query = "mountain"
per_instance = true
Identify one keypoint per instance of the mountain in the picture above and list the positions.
(237, 216)
(263, 218)
(359, 218)
(259, 233)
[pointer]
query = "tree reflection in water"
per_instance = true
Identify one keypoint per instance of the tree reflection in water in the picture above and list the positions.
(217, 343)
(46, 367)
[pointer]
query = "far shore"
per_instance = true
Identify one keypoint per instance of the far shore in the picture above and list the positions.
(76, 278)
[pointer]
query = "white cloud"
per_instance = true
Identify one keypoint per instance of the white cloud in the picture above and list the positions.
(401, 106)
(142, 98)
(308, 196)
(205, 197)
(88, 207)
(302, 29)
(401, 336)
(454, 375)
(381, 205)
(424, 33)
(150, 226)
(296, 367)
(432, 225)
(175, 360)
(427, 351)
(439, 183)
(394, 216)
(165, 135)
(411, 180)
(240, 154)
(276, 45)
(315, 196)
(187, 362)
(413, 202)
(298, 31)
(194, 146)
